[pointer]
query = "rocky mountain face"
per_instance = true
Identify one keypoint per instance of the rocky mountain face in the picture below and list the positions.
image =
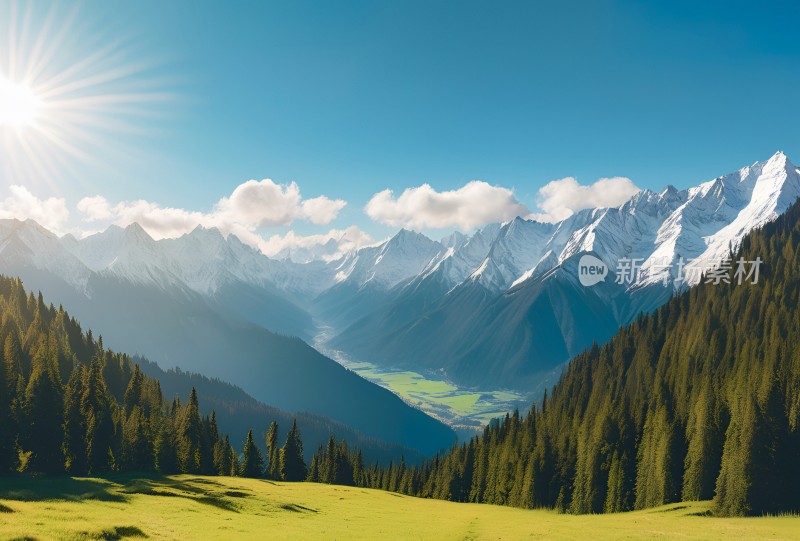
(505, 307)
(501, 305)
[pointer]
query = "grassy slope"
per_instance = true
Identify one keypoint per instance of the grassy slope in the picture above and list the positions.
(192, 507)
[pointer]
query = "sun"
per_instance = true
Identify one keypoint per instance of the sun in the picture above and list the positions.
(72, 96)
(19, 105)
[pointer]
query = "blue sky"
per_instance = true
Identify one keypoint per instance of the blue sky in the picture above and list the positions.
(349, 98)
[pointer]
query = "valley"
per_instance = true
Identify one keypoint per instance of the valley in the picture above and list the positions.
(466, 410)
(437, 271)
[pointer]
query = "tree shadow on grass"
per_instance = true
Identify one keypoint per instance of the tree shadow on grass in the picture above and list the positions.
(297, 508)
(36, 489)
(116, 533)
(116, 488)
(156, 485)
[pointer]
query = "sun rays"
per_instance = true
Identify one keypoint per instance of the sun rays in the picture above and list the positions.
(70, 93)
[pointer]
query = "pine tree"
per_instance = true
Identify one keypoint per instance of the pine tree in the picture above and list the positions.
(43, 414)
(253, 463)
(329, 466)
(108, 416)
(273, 452)
(293, 467)
(190, 434)
(97, 412)
(236, 466)
(137, 443)
(222, 458)
(660, 461)
(74, 428)
(166, 448)
(133, 393)
(704, 455)
(344, 466)
(209, 439)
(8, 428)
(313, 469)
(736, 476)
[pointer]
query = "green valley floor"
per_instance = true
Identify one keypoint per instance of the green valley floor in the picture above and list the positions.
(195, 507)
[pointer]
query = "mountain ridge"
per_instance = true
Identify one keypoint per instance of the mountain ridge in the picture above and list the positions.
(418, 303)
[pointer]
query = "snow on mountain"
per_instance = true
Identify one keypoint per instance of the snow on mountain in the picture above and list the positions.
(409, 276)
(461, 258)
(701, 224)
(493, 293)
(385, 265)
(629, 231)
(205, 260)
(454, 240)
(28, 244)
(755, 195)
(518, 246)
(655, 228)
(201, 261)
(306, 254)
(128, 254)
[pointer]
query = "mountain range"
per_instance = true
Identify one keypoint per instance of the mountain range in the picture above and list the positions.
(201, 304)
(505, 306)
(500, 306)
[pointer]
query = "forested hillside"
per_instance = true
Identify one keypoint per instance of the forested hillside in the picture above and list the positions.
(700, 400)
(237, 412)
(68, 404)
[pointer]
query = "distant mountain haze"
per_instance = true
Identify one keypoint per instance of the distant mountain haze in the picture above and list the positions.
(144, 298)
(501, 306)
(505, 307)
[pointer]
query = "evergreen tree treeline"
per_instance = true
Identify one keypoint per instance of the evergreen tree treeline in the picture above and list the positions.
(69, 405)
(699, 400)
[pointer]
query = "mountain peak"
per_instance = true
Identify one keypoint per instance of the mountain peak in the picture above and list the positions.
(32, 224)
(137, 231)
(669, 189)
(406, 235)
(206, 233)
(456, 238)
(779, 160)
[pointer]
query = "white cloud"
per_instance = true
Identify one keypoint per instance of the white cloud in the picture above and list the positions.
(160, 222)
(264, 203)
(321, 210)
(251, 205)
(561, 198)
(305, 248)
(51, 213)
(476, 203)
(95, 208)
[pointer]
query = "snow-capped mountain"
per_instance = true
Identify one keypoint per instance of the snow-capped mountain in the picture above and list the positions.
(387, 264)
(508, 291)
(29, 245)
(208, 304)
(509, 295)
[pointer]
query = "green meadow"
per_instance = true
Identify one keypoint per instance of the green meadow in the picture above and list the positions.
(195, 507)
(469, 409)
(453, 405)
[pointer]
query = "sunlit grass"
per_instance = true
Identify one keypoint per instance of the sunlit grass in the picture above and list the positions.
(194, 507)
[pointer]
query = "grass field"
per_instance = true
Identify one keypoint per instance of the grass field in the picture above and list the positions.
(442, 399)
(469, 409)
(193, 507)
